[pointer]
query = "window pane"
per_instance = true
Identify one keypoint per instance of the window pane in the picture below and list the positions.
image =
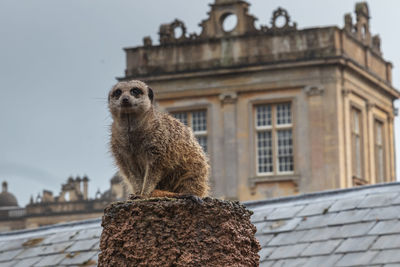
(283, 114)
(285, 151)
(380, 170)
(199, 121)
(356, 123)
(203, 142)
(357, 143)
(264, 152)
(264, 115)
(182, 117)
(358, 156)
(378, 133)
(379, 158)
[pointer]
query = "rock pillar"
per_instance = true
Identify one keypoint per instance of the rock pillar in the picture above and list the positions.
(178, 232)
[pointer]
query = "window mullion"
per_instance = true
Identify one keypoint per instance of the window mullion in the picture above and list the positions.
(274, 141)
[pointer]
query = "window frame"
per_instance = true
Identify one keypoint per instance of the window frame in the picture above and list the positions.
(189, 112)
(274, 128)
(377, 121)
(358, 179)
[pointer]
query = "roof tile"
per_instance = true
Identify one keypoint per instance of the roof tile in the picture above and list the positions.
(267, 263)
(385, 213)
(30, 252)
(356, 259)
(284, 213)
(387, 242)
(9, 255)
(287, 238)
(264, 239)
(12, 244)
(318, 208)
(290, 251)
(281, 226)
(299, 262)
(378, 200)
(396, 201)
(356, 229)
(356, 244)
(83, 245)
(322, 261)
(387, 256)
(315, 221)
(265, 252)
(50, 260)
(319, 234)
(259, 215)
(386, 227)
(350, 216)
(78, 258)
(348, 203)
(88, 233)
(27, 262)
(321, 248)
(57, 247)
(60, 237)
(9, 263)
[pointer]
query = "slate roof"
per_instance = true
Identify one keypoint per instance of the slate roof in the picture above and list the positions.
(69, 244)
(350, 227)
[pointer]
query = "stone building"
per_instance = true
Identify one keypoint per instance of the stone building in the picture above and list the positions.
(279, 110)
(72, 204)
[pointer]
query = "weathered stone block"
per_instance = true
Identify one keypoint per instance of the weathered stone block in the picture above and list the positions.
(178, 232)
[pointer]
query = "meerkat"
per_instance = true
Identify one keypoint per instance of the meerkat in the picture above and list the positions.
(157, 154)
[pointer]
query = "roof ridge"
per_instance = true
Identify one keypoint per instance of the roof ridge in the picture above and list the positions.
(250, 204)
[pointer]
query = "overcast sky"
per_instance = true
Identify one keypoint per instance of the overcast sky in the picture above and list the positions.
(58, 60)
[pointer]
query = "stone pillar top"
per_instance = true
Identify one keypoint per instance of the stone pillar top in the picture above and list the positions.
(178, 232)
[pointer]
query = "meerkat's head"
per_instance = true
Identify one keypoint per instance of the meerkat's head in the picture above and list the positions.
(133, 97)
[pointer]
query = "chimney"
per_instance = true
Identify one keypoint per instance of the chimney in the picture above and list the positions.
(85, 187)
(47, 196)
(77, 184)
(4, 186)
(177, 232)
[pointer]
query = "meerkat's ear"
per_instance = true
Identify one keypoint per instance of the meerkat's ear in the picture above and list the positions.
(151, 94)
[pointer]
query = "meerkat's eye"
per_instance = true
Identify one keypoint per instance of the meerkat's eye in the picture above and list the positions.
(117, 93)
(136, 92)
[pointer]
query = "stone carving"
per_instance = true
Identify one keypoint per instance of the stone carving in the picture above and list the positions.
(361, 30)
(212, 27)
(229, 97)
(314, 90)
(147, 41)
(275, 28)
(167, 32)
(376, 43)
(280, 12)
(370, 105)
(348, 23)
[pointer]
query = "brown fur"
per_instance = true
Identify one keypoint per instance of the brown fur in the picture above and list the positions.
(154, 151)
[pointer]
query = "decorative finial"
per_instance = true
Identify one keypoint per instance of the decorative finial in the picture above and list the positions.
(5, 185)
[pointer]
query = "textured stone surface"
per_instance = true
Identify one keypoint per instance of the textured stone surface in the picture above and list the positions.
(178, 232)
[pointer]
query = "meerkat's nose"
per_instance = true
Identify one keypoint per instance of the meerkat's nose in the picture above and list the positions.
(125, 101)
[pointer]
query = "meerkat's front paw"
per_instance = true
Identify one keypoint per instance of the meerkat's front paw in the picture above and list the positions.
(134, 197)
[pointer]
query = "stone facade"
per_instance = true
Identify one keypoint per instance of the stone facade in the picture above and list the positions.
(72, 204)
(280, 110)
